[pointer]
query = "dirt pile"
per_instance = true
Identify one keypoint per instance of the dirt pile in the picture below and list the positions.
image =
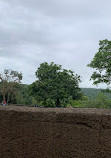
(54, 133)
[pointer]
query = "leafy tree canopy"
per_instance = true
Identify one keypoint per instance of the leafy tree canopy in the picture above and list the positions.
(9, 79)
(54, 85)
(102, 63)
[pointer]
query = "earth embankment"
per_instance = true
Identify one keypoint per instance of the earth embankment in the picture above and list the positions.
(27, 132)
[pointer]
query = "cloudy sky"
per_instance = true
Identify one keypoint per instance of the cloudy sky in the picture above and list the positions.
(66, 32)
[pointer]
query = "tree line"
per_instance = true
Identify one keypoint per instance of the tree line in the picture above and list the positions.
(55, 86)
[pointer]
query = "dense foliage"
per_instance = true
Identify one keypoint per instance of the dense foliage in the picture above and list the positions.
(54, 85)
(101, 101)
(19, 96)
(102, 63)
(9, 80)
(92, 93)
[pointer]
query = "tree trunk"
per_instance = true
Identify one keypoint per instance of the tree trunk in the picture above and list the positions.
(8, 97)
(4, 97)
(3, 91)
(58, 102)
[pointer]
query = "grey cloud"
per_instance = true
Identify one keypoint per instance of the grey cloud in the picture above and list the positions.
(66, 32)
(64, 7)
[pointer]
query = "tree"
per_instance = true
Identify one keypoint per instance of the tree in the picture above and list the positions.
(102, 63)
(9, 79)
(55, 85)
(22, 96)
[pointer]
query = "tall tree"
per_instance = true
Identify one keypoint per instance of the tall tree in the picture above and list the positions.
(55, 84)
(102, 63)
(8, 81)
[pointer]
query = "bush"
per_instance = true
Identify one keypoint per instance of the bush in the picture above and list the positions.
(101, 101)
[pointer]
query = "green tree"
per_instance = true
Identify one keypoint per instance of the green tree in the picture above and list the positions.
(9, 80)
(55, 85)
(102, 63)
(22, 96)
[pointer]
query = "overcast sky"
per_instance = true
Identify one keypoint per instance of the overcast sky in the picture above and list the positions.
(66, 32)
